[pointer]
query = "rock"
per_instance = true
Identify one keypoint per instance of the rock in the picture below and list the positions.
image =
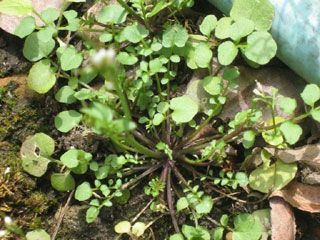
(9, 23)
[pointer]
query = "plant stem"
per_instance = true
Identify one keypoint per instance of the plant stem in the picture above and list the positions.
(144, 174)
(128, 9)
(142, 149)
(170, 203)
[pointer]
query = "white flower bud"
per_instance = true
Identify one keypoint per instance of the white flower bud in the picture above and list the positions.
(104, 56)
(7, 171)
(7, 220)
(3, 233)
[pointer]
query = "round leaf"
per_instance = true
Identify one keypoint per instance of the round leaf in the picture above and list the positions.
(241, 28)
(62, 182)
(175, 35)
(311, 94)
(138, 229)
(260, 12)
(91, 214)
(261, 47)
(70, 158)
(223, 28)
(70, 59)
(26, 27)
(35, 152)
(288, 105)
(34, 48)
(274, 177)
(112, 13)
(203, 55)
(184, 109)
(83, 192)
(41, 77)
(291, 132)
(227, 52)
(67, 120)
(208, 25)
(38, 234)
(123, 227)
(65, 95)
(134, 33)
(126, 59)
(212, 85)
(246, 227)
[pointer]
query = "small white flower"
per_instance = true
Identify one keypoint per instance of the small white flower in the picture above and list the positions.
(104, 55)
(7, 171)
(3, 233)
(7, 220)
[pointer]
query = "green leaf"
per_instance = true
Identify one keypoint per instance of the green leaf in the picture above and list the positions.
(223, 28)
(175, 35)
(315, 113)
(158, 8)
(70, 59)
(242, 179)
(49, 15)
(261, 47)
(26, 27)
(35, 153)
(70, 158)
(264, 218)
(261, 12)
(123, 227)
(113, 14)
(246, 227)
(92, 214)
(231, 73)
(105, 37)
(291, 132)
(205, 205)
(67, 120)
(138, 229)
(182, 203)
(84, 94)
(73, 21)
(62, 182)
(242, 27)
(134, 33)
(212, 85)
(184, 109)
(208, 25)
(248, 138)
(16, 7)
(45, 34)
(83, 192)
(177, 236)
(203, 55)
(126, 59)
(34, 49)
(158, 119)
(218, 233)
(41, 77)
(287, 105)
(65, 95)
(275, 177)
(192, 233)
(227, 52)
(311, 94)
(38, 234)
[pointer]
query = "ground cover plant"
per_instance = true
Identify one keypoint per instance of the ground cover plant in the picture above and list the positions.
(127, 75)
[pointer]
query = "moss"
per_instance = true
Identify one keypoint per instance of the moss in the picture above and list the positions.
(17, 119)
